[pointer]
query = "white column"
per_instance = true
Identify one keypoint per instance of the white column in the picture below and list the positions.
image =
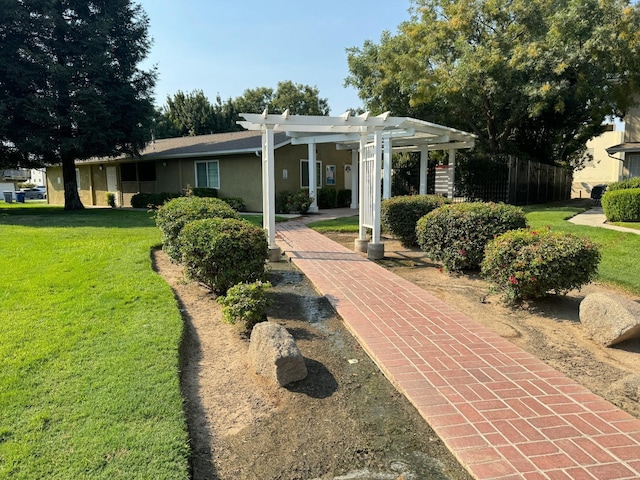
(387, 169)
(375, 235)
(354, 179)
(424, 166)
(452, 173)
(312, 178)
(269, 182)
(361, 171)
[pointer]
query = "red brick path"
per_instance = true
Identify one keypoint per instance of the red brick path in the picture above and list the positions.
(502, 412)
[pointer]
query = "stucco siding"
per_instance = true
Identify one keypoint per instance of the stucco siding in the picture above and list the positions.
(602, 169)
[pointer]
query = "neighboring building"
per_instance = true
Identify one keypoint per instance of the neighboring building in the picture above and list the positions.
(629, 149)
(38, 176)
(600, 168)
(228, 162)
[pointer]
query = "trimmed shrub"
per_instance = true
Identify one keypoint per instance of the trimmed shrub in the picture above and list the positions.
(152, 200)
(327, 197)
(622, 205)
(221, 252)
(204, 192)
(246, 303)
(111, 199)
(176, 213)
(237, 203)
(344, 198)
(633, 182)
(290, 202)
(526, 264)
(456, 234)
(399, 215)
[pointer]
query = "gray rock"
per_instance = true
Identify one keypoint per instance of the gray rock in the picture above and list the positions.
(273, 354)
(609, 319)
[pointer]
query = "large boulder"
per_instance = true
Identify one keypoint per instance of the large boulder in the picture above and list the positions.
(609, 319)
(273, 353)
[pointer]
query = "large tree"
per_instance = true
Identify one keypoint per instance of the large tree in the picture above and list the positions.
(70, 86)
(299, 99)
(536, 78)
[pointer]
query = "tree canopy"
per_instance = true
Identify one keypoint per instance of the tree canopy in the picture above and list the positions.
(193, 113)
(70, 88)
(535, 78)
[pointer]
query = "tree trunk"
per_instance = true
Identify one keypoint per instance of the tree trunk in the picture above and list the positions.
(71, 196)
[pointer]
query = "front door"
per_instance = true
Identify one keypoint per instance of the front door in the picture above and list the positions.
(112, 181)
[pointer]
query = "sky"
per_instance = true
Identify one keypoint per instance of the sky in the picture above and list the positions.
(225, 47)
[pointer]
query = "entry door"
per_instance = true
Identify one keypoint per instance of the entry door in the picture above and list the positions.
(112, 181)
(347, 177)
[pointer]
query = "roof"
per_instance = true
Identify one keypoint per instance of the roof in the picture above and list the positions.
(219, 144)
(629, 147)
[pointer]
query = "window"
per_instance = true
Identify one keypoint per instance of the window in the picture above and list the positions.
(634, 166)
(304, 174)
(128, 172)
(147, 171)
(208, 174)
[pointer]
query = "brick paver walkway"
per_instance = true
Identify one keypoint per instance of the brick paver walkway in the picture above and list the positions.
(502, 412)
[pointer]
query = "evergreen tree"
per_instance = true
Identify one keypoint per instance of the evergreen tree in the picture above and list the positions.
(70, 87)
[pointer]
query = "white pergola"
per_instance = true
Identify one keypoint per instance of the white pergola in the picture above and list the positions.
(372, 139)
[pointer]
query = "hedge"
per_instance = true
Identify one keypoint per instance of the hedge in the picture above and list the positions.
(622, 205)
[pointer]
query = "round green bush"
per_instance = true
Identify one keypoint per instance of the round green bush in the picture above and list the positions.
(456, 234)
(221, 252)
(176, 213)
(633, 182)
(246, 303)
(622, 205)
(399, 215)
(526, 264)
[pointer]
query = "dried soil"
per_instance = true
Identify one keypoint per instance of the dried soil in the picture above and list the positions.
(346, 421)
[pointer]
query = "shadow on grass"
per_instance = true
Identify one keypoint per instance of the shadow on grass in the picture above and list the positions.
(52, 216)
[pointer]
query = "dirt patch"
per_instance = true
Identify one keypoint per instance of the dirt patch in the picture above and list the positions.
(344, 421)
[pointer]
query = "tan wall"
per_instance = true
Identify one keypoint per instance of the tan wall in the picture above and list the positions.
(55, 186)
(242, 177)
(602, 169)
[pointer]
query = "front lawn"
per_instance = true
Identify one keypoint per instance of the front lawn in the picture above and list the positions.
(90, 337)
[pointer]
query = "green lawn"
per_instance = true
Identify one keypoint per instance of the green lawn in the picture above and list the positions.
(619, 265)
(89, 348)
(634, 225)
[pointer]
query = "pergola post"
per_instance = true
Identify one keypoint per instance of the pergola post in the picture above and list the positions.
(313, 208)
(424, 166)
(269, 191)
(354, 179)
(361, 242)
(375, 249)
(452, 174)
(387, 169)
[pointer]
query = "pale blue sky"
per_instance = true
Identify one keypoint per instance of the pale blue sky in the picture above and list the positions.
(226, 46)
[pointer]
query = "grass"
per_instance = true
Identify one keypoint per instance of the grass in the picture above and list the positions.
(619, 265)
(634, 225)
(257, 219)
(89, 383)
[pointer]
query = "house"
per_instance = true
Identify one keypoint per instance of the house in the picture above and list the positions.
(229, 162)
(599, 167)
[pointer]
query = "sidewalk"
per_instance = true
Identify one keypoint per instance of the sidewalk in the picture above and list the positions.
(502, 412)
(595, 218)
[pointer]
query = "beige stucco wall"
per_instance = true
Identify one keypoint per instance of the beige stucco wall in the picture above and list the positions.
(602, 169)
